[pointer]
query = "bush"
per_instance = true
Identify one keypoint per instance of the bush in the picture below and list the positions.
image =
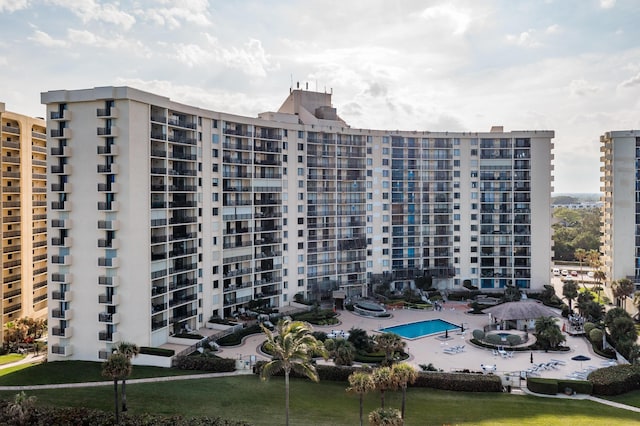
(543, 386)
(478, 334)
(494, 339)
(146, 350)
(318, 317)
(188, 336)
(462, 382)
(579, 386)
(332, 373)
(588, 326)
(595, 336)
(211, 364)
(615, 380)
(514, 339)
(236, 338)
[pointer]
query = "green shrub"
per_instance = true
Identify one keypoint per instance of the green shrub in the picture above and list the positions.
(211, 364)
(236, 338)
(494, 339)
(462, 382)
(543, 386)
(514, 339)
(332, 373)
(595, 336)
(478, 334)
(588, 326)
(188, 336)
(146, 350)
(615, 380)
(579, 386)
(349, 307)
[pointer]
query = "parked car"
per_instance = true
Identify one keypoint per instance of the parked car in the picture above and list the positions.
(591, 274)
(556, 271)
(564, 272)
(574, 273)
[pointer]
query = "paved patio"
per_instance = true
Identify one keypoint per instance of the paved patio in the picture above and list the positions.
(432, 349)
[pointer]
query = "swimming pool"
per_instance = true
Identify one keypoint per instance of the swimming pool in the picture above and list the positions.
(415, 330)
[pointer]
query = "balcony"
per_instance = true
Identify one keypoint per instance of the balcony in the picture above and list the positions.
(60, 133)
(108, 168)
(107, 112)
(62, 332)
(108, 150)
(106, 299)
(61, 260)
(107, 243)
(60, 314)
(107, 131)
(61, 169)
(108, 336)
(61, 242)
(108, 187)
(108, 206)
(61, 205)
(61, 151)
(109, 225)
(108, 262)
(63, 296)
(62, 350)
(108, 318)
(64, 115)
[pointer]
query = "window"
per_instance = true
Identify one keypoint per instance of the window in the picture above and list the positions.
(385, 252)
(301, 258)
(300, 171)
(300, 159)
(215, 270)
(385, 161)
(369, 196)
(285, 144)
(300, 135)
(456, 153)
(300, 196)
(300, 283)
(385, 207)
(369, 218)
(369, 230)
(385, 240)
(474, 260)
(300, 270)
(385, 184)
(301, 221)
(300, 246)
(385, 229)
(300, 233)
(385, 151)
(214, 153)
(385, 195)
(214, 211)
(300, 145)
(369, 173)
(369, 151)
(369, 162)
(214, 182)
(385, 173)
(300, 209)
(285, 158)
(300, 184)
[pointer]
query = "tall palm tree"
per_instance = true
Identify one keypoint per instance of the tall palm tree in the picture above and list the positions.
(361, 383)
(622, 289)
(292, 346)
(636, 302)
(384, 380)
(570, 292)
(389, 343)
(130, 350)
(116, 367)
(581, 255)
(404, 374)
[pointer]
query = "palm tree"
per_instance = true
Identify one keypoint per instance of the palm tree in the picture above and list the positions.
(384, 380)
(405, 375)
(343, 352)
(360, 383)
(388, 417)
(548, 333)
(389, 343)
(116, 367)
(130, 350)
(580, 254)
(292, 348)
(622, 289)
(570, 292)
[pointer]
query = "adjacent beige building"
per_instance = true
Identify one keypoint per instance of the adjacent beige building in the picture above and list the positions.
(23, 222)
(163, 215)
(620, 177)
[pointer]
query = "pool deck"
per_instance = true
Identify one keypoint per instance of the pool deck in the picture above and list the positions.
(430, 349)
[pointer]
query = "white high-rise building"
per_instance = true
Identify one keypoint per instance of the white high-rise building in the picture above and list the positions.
(164, 214)
(621, 205)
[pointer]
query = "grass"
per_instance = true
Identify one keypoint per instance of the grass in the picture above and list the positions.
(629, 398)
(324, 403)
(73, 372)
(9, 358)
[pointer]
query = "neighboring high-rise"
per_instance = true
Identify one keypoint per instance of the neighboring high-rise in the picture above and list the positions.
(164, 214)
(621, 205)
(24, 217)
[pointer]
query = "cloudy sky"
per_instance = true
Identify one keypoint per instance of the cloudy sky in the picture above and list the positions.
(572, 66)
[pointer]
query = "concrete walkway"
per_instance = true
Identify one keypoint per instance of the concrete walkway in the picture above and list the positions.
(582, 396)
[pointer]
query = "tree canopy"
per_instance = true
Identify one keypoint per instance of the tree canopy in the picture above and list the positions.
(575, 229)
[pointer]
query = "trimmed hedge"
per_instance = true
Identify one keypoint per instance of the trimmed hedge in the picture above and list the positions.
(554, 386)
(615, 380)
(235, 339)
(146, 350)
(333, 373)
(188, 336)
(460, 382)
(201, 363)
(47, 415)
(320, 317)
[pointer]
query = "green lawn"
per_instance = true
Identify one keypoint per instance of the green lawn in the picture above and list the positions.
(629, 398)
(9, 358)
(73, 372)
(325, 403)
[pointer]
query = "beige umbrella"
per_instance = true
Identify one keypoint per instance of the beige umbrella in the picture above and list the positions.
(522, 310)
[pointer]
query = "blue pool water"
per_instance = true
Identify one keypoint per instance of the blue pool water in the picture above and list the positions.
(415, 330)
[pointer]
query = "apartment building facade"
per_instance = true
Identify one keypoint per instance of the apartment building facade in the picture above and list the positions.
(620, 177)
(23, 222)
(164, 214)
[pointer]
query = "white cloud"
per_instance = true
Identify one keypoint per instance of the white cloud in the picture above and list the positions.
(633, 81)
(582, 88)
(83, 37)
(44, 39)
(13, 5)
(553, 29)
(607, 4)
(187, 11)
(90, 10)
(456, 18)
(524, 39)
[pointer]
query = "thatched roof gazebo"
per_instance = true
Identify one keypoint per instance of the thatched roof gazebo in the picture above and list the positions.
(523, 313)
